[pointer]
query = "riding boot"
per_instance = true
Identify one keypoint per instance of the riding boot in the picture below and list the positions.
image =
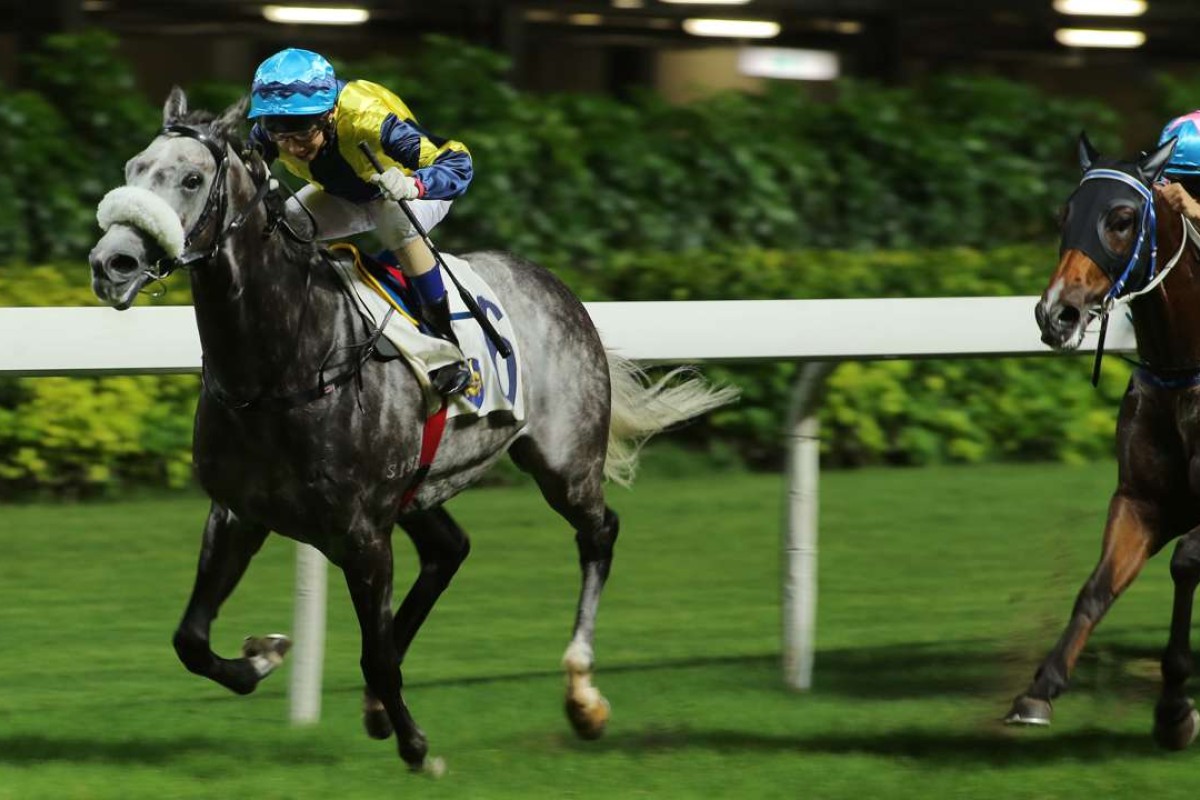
(452, 378)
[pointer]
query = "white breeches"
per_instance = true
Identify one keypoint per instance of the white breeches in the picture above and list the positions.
(337, 218)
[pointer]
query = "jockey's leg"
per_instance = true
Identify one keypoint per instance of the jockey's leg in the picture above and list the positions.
(335, 218)
(419, 265)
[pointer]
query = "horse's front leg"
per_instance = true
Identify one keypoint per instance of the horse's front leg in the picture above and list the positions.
(229, 544)
(367, 565)
(1130, 537)
(1175, 717)
(442, 546)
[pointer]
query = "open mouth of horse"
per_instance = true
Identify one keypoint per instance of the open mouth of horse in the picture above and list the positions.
(1063, 326)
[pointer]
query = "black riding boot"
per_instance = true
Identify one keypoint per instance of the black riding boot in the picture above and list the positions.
(452, 378)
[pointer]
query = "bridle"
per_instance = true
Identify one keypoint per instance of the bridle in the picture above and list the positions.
(1120, 293)
(216, 205)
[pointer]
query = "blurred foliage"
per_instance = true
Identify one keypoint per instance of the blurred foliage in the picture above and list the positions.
(954, 160)
(86, 436)
(66, 140)
(1178, 94)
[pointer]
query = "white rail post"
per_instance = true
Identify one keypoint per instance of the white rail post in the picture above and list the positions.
(800, 537)
(308, 650)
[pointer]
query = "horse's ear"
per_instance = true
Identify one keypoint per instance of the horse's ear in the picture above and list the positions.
(1087, 154)
(1151, 167)
(231, 119)
(176, 106)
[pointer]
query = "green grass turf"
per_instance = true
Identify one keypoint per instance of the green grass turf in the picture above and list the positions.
(941, 589)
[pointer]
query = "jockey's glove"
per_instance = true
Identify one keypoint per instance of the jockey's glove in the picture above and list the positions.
(395, 185)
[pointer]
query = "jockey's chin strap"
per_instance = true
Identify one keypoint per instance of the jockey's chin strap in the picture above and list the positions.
(1147, 232)
(216, 205)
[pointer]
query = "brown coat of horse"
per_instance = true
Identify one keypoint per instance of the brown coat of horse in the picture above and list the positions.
(1157, 497)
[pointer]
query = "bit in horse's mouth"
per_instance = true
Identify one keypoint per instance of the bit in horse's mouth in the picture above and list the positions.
(130, 292)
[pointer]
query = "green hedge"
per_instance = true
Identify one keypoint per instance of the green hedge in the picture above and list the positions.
(83, 435)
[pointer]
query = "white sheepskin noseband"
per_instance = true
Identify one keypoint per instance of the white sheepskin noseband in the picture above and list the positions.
(146, 211)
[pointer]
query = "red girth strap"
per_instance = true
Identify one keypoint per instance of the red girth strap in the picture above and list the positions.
(430, 439)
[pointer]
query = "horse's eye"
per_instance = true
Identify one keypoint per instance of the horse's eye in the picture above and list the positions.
(1122, 224)
(193, 181)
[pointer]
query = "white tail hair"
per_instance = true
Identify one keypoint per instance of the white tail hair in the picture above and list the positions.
(642, 407)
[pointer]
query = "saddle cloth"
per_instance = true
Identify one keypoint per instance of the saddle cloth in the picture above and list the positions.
(496, 381)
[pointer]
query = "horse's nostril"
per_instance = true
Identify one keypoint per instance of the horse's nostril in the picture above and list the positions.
(121, 263)
(1068, 317)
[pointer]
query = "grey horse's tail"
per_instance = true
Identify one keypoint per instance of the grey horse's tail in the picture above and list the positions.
(641, 407)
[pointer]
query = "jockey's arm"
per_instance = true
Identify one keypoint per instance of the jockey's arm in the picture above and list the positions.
(1178, 199)
(441, 167)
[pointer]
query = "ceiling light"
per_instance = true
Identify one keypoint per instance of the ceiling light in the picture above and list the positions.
(788, 63)
(707, 2)
(1085, 37)
(1101, 8)
(585, 19)
(732, 28)
(628, 3)
(310, 15)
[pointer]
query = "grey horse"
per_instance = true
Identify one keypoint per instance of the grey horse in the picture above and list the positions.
(299, 432)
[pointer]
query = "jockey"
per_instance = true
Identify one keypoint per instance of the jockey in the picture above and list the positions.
(312, 122)
(1183, 170)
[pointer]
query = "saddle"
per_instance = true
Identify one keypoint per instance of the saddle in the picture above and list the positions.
(384, 268)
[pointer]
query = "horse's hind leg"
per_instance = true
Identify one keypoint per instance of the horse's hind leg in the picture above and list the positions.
(367, 566)
(1130, 537)
(442, 546)
(229, 544)
(1175, 717)
(574, 490)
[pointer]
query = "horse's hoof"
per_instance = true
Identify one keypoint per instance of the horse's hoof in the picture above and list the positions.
(1179, 734)
(433, 767)
(414, 751)
(377, 724)
(588, 714)
(266, 652)
(1029, 711)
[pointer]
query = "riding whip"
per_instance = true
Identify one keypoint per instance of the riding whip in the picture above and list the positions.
(489, 330)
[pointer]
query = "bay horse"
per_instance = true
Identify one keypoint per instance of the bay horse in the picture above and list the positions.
(1123, 244)
(322, 452)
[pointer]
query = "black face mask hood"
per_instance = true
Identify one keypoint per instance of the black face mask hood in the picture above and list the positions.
(1105, 186)
(1102, 189)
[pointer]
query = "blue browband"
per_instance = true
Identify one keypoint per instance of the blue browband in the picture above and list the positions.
(1149, 228)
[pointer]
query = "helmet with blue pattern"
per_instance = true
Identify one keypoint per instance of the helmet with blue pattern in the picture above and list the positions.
(293, 83)
(1186, 159)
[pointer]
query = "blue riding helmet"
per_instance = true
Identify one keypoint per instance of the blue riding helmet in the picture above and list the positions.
(293, 82)
(1186, 129)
